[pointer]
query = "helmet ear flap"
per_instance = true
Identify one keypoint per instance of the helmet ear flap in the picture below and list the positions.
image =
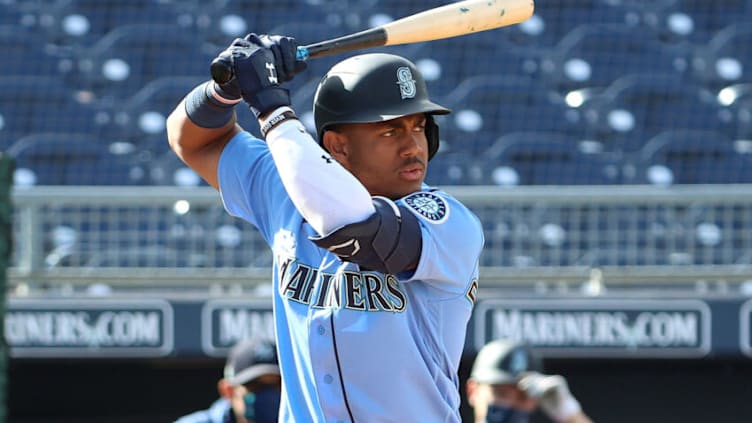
(432, 135)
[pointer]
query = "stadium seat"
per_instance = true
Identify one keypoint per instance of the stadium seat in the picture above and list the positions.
(29, 55)
(446, 63)
(545, 158)
(636, 107)
(66, 159)
(87, 20)
(710, 17)
(687, 21)
(487, 106)
(168, 169)
(595, 55)
(737, 99)
(128, 57)
(30, 104)
(140, 119)
(726, 58)
(220, 21)
(555, 18)
(457, 167)
(694, 157)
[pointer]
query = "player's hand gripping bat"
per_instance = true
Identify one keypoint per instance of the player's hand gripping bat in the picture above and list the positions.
(451, 20)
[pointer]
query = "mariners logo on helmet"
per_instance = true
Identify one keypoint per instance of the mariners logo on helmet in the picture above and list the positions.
(406, 82)
(428, 205)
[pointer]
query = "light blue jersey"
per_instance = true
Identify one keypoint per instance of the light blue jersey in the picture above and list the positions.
(360, 346)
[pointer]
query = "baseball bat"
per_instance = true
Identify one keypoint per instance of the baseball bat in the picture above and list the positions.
(451, 20)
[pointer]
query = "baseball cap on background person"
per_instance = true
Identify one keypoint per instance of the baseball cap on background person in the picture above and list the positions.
(252, 364)
(250, 359)
(250, 389)
(504, 362)
(506, 384)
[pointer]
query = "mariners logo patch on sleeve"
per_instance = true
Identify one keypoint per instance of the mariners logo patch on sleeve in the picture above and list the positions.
(429, 205)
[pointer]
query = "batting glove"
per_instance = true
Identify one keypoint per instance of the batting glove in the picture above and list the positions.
(553, 395)
(285, 51)
(256, 78)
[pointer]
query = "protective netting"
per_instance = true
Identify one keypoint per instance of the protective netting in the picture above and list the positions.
(585, 92)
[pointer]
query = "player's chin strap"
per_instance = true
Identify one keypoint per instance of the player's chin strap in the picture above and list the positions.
(389, 241)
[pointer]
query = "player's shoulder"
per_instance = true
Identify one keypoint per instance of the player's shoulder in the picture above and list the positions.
(437, 206)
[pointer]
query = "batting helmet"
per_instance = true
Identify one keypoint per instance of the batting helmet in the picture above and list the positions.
(373, 88)
(503, 362)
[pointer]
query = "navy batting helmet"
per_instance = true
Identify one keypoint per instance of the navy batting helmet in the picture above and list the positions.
(373, 88)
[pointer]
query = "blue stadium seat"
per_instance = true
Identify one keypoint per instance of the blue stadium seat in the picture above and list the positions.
(83, 21)
(30, 104)
(168, 169)
(688, 21)
(140, 119)
(483, 53)
(66, 159)
(635, 108)
(129, 57)
(28, 54)
(596, 55)
(696, 157)
(555, 18)
(220, 21)
(710, 17)
(737, 98)
(545, 158)
(727, 58)
(457, 167)
(487, 106)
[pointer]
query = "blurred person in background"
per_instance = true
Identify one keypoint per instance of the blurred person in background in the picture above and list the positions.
(506, 386)
(250, 389)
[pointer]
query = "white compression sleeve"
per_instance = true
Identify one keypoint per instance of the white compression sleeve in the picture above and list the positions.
(326, 194)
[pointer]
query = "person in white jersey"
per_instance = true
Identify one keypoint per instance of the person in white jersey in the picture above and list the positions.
(375, 273)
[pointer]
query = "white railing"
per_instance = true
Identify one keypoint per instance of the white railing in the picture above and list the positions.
(169, 236)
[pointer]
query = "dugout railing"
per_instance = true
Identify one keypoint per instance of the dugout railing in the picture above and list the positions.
(541, 237)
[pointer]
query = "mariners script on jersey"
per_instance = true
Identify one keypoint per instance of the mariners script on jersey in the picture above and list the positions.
(357, 345)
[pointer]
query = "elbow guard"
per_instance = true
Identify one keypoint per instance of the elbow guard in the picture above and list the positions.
(389, 241)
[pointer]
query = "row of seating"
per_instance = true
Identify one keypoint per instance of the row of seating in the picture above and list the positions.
(125, 58)
(81, 22)
(678, 156)
(620, 117)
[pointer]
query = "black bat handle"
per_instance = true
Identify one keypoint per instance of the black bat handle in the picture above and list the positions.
(221, 67)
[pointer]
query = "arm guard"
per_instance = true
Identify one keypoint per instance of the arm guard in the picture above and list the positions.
(389, 241)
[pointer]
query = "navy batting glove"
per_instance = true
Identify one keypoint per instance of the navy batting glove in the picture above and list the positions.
(257, 77)
(285, 51)
(230, 90)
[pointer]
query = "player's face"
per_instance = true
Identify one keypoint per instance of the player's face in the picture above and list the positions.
(389, 158)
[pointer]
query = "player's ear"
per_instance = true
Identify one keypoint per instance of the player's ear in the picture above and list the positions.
(336, 144)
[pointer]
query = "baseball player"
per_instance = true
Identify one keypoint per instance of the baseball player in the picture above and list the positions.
(506, 385)
(375, 272)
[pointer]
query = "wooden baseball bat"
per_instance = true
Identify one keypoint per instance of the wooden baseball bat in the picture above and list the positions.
(451, 20)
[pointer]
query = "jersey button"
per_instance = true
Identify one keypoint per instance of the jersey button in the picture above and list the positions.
(321, 330)
(328, 379)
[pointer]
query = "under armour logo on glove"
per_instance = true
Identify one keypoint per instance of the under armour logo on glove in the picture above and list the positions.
(326, 158)
(272, 73)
